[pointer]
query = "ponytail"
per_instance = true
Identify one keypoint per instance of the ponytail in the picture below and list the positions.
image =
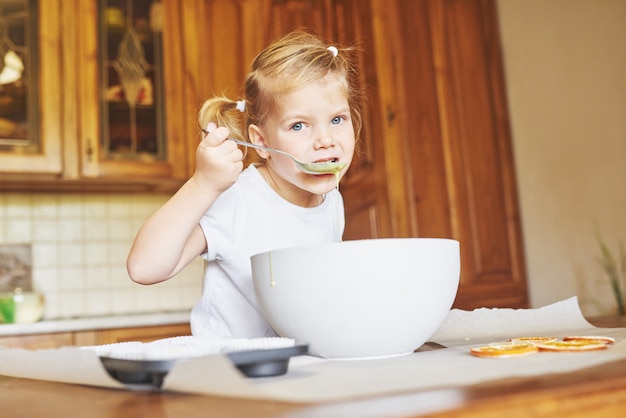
(225, 112)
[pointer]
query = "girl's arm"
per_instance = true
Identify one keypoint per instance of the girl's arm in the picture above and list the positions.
(171, 238)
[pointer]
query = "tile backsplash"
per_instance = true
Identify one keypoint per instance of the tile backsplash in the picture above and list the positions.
(79, 247)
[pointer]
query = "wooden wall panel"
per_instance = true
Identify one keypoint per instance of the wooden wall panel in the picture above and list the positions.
(428, 167)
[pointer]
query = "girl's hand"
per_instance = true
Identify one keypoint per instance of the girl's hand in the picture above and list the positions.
(218, 160)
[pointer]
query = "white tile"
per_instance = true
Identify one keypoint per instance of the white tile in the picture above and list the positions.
(135, 225)
(95, 207)
(94, 229)
(18, 206)
(3, 205)
(52, 306)
(97, 277)
(71, 206)
(71, 230)
(147, 299)
(169, 297)
(71, 254)
(146, 205)
(118, 252)
(120, 206)
(45, 254)
(46, 279)
(95, 253)
(46, 206)
(45, 230)
(122, 301)
(118, 277)
(189, 296)
(18, 230)
(72, 278)
(97, 303)
(72, 303)
(121, 229)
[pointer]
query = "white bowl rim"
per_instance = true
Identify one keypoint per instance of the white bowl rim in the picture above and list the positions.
(357, 242)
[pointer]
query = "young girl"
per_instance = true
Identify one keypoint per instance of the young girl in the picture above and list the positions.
(301, 97)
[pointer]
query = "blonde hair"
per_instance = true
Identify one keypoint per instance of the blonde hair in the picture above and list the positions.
(291, 62)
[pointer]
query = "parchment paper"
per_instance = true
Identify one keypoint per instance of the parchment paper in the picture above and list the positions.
(485, 325)
(312, 379)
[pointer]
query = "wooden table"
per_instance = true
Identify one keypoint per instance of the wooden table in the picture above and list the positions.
(596, 391)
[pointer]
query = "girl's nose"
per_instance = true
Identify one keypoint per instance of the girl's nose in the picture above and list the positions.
(324, 139)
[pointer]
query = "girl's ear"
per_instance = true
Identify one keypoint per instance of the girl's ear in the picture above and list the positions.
(256, 137)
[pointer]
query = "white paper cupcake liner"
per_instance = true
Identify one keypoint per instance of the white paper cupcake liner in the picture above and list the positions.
(186, 347)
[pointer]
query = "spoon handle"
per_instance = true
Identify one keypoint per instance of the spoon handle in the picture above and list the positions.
(248, 144)
(251, 145)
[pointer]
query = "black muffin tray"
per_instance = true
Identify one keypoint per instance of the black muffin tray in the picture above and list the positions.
(266, 363)
(149, 374)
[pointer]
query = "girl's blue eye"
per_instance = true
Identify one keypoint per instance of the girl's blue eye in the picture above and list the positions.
(297, 126)
(336, 120)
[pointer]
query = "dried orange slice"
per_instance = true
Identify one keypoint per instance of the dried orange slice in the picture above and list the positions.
(572, 345)
(504, 350)
(606, 340)
(533, 340)
(499, 343)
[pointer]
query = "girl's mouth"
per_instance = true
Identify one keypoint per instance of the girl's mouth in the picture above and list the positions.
(330, 166)
(329, 160)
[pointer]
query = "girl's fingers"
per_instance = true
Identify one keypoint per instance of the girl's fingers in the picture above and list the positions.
(206, 131)
(211, 127)
(213, 135)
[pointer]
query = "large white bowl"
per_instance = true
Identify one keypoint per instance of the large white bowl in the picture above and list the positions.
(362, 298)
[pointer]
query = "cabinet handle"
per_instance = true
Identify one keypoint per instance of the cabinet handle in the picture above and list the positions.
(89, 150)
(391, 115)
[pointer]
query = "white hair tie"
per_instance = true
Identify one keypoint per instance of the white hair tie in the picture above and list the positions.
(241, 106)
(333, 50)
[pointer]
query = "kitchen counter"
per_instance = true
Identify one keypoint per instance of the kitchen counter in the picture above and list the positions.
(592, 391)
(95, 323)
(408, 386)
(596, 391)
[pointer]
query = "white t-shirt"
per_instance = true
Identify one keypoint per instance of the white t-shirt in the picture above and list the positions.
(247, 219)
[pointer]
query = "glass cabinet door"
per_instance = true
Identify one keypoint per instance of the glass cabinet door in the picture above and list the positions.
(18, 81)
(82, 95)
(131, 76)
(29, 79)
(128, 54)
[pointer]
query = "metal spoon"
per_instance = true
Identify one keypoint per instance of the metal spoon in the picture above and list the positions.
(326, 167)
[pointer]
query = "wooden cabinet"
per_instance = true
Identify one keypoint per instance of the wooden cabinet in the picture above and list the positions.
(448, 154)
(95, 337)
(72, 155)
(40, 341)
(145, 334)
